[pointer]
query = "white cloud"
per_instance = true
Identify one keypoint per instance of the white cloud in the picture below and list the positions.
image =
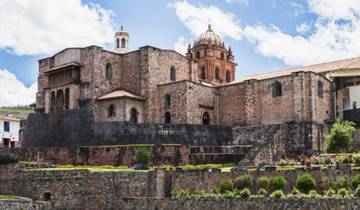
(196, 19)
(181, 45)
(334, 34)
(298, 8)
(242, 2)
(31, 27)
(303, 28)
(14, 92)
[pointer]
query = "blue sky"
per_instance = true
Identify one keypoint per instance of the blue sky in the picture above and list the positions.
(264, 34)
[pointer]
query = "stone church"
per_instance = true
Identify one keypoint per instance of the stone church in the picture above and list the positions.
(152, 85)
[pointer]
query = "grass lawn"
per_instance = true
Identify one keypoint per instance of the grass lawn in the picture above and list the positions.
(8, 197)
(17, 112)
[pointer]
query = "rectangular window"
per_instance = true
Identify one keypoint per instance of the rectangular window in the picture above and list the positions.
(167, 100)
(6, 126)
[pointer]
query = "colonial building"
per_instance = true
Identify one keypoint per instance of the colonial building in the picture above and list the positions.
(9, 131)
(153, 85)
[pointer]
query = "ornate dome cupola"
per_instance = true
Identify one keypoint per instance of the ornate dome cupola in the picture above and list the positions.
(209, 38)
(215, 64)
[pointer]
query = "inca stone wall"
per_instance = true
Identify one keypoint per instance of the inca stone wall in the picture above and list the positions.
(73, 128)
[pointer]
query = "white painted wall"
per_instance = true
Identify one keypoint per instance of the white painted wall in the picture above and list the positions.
(13, 134)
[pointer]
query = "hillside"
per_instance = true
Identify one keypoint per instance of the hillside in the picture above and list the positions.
(20, 112)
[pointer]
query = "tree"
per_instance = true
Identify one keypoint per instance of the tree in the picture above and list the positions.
(340, 137)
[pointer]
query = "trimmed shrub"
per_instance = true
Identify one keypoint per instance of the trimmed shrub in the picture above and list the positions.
(340, 137)
(263, 182)
(199, 193)
(344, 193)
(330, 193)
(245, 193)
(277, 194)
(341, 182)
(278, 183)
(305, 183)
(314, 194)
(229, 195)
(215, 190)
(143, 157)
(243, 181)
(357, 192)
(262, 191)
(355, 181)
(180, 193)
(226, 184)
(295, 191)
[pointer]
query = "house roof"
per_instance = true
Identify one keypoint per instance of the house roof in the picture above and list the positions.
(351, 63)
(118, 94)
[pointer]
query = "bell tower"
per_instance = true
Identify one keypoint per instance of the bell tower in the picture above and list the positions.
(121, 41)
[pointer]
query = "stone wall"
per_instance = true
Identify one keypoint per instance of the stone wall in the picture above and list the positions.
(24, 204)
(225, 204)
(283, 140)
(74, 128)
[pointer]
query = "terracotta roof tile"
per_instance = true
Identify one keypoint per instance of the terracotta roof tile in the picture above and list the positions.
(117, 94)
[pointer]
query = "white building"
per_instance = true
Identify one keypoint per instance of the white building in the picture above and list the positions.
(9, 131)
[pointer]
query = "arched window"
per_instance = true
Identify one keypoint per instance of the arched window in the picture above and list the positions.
(52, 101)
(134, 115)
(228, 76)
(172, 73)
(217, 73)
(123, 43)
(67, 98)
(203, 73)
(222, 55)
(111, 111)
(108, 71)
(167, 100)
(320, 89)
(167, 118)
(117, 43)
(59, 100)
(276, 89)
(206, 118)
(197, 55)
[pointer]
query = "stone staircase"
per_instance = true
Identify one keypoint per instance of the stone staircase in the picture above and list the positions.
(218, 154)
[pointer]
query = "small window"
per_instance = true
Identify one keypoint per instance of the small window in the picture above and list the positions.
(217, 73)
(167, 100)
(134, 115)
(117, 43)
(172, 73)
(197, 55)
(320, 89)
(47, 196)
(228, 76)
(123, 43)
(6, 126)
(108, 73)
(52, 101)
(222, 55)
(276, 89)
(167, 118)
(111, 111)
(203, 73)
(206, 118)
(67, 98)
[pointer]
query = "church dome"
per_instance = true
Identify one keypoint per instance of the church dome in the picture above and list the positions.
(209, 38)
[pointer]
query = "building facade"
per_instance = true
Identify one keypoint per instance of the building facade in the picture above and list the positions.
(152, 85)
(9, 131)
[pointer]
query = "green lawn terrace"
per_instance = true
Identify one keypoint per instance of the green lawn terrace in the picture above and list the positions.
(19, 112)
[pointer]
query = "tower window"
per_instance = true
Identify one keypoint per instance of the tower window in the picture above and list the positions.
(228, 76)
(203, 73)
(123, 43)
(108, 71)
(167, 118)
(117, 43)
(320, 89)
(276, 89)
(111, 111)
(197, 55)
(222, 55)
(172, 73)
(167, 100)
(206, 118)
(133, 115)
(217, 73)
